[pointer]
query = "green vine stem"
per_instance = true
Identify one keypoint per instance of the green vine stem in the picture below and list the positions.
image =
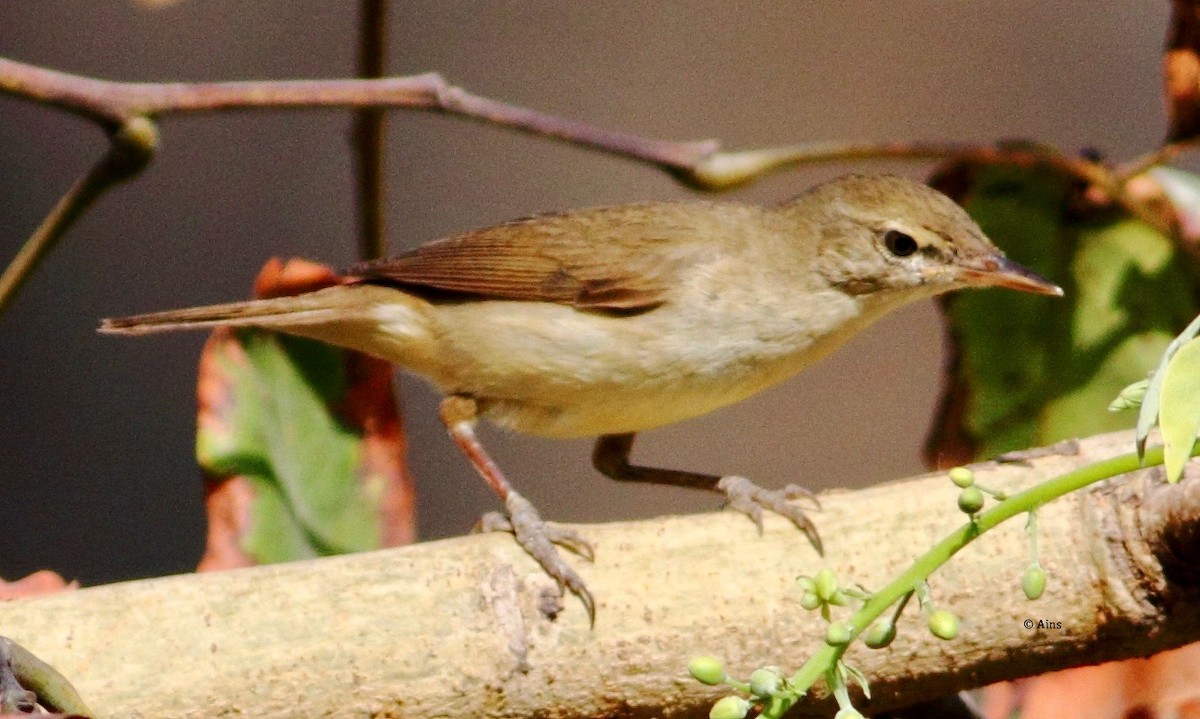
(827, 656)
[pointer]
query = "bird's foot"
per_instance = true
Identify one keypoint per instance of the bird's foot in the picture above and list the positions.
(538, 538)
(750, 499)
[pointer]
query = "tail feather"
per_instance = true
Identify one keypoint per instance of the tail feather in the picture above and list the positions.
(279, 312)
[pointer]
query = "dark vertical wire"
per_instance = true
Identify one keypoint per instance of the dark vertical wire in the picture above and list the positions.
(368, 133)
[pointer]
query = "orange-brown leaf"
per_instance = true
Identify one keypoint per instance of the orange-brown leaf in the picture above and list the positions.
(1164, 685)
(295, 277)
(1181, 71)
(227, 502)
(370, 404)
(34, 585)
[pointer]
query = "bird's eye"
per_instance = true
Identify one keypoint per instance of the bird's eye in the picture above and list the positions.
(899, 243)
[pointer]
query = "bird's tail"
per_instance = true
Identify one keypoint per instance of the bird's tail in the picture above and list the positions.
(281, 312)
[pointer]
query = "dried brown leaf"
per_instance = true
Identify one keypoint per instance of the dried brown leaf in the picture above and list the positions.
(1161, 686)
(41, 582)
(1181, 71)
(227, 502)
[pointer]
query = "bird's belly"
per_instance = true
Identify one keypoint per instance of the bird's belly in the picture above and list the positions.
(612, 411)
(550, 370)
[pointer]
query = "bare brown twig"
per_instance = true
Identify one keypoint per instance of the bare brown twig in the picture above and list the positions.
(112, 103)
(1161, 156)
(721, 170)
(700, 165)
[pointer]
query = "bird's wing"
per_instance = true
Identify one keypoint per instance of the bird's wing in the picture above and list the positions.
(602, 260)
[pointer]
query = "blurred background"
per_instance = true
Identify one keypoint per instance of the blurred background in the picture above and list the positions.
(97, 476)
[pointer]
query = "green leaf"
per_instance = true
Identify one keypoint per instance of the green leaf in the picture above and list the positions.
(1179, 415)
(1148, 416)
(1037, 370)
(854, 674)
(1006, 339)
(1081, 410)
(271, 411)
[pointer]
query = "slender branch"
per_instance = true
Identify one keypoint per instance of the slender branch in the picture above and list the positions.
(700, 165)
(130, 151)
(1161, 156)
(368, 133)
(1142, 163)
(731, 168)
(111, 103)
(117, 105)
(722, 170)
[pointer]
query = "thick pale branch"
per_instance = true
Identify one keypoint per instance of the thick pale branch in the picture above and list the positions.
(453, 628)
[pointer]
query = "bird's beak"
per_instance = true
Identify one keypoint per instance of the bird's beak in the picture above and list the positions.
(999, 271)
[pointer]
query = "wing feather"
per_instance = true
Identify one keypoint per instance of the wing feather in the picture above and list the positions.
(608, 259)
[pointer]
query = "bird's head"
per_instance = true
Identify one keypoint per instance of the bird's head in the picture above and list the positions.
(887, 234)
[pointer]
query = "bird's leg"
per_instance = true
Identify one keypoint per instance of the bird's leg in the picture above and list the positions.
(459, 413)
(611, 457)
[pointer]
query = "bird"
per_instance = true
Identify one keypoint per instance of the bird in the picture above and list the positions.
(610, 321)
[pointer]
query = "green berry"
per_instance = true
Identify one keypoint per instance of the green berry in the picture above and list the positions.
(810, 601)
(1033, 582)
(962, 477)
(707, 670)
(826, 584)
(837, 634)
(730, 707)
(943, 624)
(970, 500)
(880, 635)
(764, 682)
(1130, 397)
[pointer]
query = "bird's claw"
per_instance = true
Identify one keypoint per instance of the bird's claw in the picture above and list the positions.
(538, 539)
(750, 499)
(564, 537)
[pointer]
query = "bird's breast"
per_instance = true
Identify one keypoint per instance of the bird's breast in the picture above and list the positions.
(550, 370)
